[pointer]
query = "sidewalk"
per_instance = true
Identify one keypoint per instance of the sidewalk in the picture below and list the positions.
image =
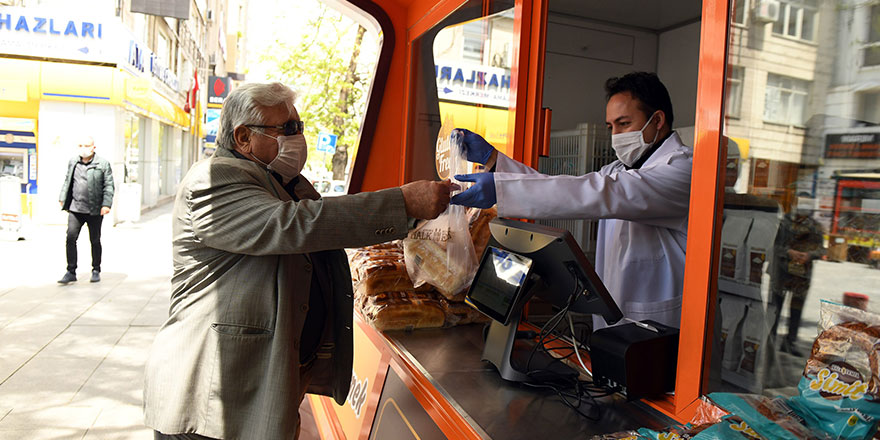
(71, 357)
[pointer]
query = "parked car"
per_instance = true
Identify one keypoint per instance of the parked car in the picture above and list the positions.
(330, 188)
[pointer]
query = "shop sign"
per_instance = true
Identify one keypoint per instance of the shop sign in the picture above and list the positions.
(158, 69)
(137, 56)
(218, 89)
(212, 124)
(58, 34)
(473, 83)
(142, 59)
(852, 146)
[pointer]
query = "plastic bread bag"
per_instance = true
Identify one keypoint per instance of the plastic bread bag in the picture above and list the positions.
(707, 413)
(771, 418)
(839, 391)
(404, 310)
(440, 251)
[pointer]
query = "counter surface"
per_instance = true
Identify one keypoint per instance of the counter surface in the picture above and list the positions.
(450, 359)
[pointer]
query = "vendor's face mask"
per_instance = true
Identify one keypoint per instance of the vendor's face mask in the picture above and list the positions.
(630, 146)
(292, 154)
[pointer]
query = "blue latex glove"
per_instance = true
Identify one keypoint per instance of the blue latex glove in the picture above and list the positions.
(475, 148)
(480, 195)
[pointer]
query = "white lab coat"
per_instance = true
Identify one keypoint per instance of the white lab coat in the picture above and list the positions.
(643, 214)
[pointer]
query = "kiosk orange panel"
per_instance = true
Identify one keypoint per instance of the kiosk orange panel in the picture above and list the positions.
(379, 165)
(701, 265)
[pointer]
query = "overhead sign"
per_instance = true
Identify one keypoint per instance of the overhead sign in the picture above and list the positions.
(326, 142)
(218, 89)
(144, 61)
(69, 34)
(59, 33)
(852, 146)
(163, 8)
(473, 83)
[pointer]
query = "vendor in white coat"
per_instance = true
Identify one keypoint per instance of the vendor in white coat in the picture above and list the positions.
(641, 199)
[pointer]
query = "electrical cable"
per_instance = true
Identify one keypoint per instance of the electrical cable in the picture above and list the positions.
(575, 348)
(578, 392)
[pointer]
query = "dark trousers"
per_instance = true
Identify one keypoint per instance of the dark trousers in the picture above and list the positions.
(798, 287)
(75, 222)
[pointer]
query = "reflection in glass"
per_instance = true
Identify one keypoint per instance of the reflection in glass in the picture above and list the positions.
(801, 219)
(464, 81)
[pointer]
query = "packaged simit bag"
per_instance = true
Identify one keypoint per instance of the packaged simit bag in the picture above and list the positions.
(839, 392)
(770, 418)
(734, 258)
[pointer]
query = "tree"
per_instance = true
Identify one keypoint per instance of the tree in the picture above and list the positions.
(323, 66)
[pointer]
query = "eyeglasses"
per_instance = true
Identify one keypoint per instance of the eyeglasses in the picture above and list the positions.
(289, 128)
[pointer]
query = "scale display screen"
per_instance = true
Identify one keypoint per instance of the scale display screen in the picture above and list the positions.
(498, 283)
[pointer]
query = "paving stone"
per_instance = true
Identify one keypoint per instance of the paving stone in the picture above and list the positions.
(156, 311)
(52, 422)
(72, 356)
(120, 423)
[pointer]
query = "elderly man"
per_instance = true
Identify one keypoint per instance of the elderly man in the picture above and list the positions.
(86, 195)
(261, 301)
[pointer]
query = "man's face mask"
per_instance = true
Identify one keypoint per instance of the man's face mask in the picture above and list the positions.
(630, 146)
(291, 158)
(85, 151)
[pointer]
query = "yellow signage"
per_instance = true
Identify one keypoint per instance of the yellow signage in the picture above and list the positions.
(489, 122)
(137, 89)
(13, 90)
(743, 145)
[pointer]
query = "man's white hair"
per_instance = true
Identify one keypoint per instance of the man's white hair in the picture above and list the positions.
(245, 104)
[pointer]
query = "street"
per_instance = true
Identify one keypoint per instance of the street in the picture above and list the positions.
(71, 357)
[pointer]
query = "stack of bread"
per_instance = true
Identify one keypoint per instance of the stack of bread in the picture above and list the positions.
(386, 297)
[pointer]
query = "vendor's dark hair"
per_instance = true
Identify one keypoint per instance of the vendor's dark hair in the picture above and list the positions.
(647, 88)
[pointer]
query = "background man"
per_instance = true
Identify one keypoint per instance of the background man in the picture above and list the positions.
(641, 199)
(261, 300)
(87, 195)
(798, 243)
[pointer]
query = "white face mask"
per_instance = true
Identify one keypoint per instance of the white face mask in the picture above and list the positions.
(291, 158)
(630, 146)
(85, 151)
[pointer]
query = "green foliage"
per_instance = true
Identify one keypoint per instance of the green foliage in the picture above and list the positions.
(318, 68)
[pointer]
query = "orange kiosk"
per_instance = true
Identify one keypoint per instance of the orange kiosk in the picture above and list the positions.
(431, 383)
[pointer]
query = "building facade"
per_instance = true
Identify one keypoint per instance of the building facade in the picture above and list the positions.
(133, 81)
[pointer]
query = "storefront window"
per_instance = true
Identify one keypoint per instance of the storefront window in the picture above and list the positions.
(464, 79)
(131, 160)
(801, 225)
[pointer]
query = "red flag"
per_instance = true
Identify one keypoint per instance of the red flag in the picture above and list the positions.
(195, 89)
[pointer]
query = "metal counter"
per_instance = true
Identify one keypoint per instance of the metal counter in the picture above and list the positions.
(450, 359)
